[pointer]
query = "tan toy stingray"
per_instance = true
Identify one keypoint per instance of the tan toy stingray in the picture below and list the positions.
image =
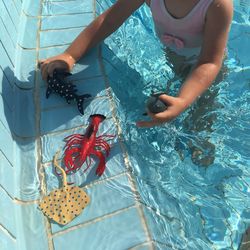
(64, 204)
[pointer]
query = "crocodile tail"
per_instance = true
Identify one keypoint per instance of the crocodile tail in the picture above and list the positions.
(80, 101)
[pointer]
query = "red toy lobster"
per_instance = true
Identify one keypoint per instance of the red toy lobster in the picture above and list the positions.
(79, 147)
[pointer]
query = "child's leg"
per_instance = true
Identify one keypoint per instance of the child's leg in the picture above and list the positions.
(201, 119)
(201, 116)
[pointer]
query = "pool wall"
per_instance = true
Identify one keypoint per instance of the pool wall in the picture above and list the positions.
(19, 183)
(32, 129)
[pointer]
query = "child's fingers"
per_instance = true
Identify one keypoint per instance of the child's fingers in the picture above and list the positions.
(43, 66)
(51, 68)
(48, 67)
(167, 99)
(44, 71)
(40, 62)
(156, 119)
(164, 116)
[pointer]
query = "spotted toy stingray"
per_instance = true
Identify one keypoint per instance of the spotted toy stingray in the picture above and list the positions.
(59, 84)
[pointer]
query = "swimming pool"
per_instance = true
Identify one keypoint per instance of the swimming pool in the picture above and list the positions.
(190, 202)
(159, 191)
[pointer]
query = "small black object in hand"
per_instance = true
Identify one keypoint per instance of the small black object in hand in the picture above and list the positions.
(155, 105)
(58, 84)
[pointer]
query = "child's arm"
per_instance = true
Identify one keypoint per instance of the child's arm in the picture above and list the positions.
(217, 27)
(95, 32)
(218, 20)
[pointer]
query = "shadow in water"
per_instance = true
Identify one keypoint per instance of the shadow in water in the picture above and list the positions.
(201, 116)
(129, 87)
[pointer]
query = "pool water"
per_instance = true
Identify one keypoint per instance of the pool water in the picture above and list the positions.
(193, 173)
(183, 185)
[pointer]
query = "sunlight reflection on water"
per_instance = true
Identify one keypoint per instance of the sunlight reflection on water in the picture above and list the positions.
(187, 171)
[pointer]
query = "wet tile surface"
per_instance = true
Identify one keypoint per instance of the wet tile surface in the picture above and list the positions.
(6, 241)
(67, 7)
(124, 227)
(40, 127)
(105, 198)
(6, 217)
(53, 143)
(114, 166)
(66, 21)
(7, 175)
(30, 224)
(67, 116)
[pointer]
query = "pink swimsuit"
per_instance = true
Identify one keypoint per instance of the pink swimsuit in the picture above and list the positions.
(183, 32)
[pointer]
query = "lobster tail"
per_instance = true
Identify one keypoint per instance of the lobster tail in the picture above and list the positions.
(97, 118)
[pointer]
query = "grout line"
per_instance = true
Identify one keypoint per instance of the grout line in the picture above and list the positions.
(14, 3)
(6, 231)
(67, 130)
(7, 31)
(78, 81)
(36, 96)
(64, 29)
(63, 105)
(7, 10)
(5, 128)
(123, 148)
(64, 46)
(58, 132)
(38, 129)
(48, 16)
(6, 158)
(42, 48)
(63, 14)
(6, 77)
(60, 1)
(55, 46)
(97, 182)
(138, 246)
(6, 192)
(163, 244)
(21, 202)
(105, 180)
(7, 54)
(5, 100)
(90, 222)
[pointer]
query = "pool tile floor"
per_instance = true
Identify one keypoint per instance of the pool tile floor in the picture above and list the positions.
(114, 218)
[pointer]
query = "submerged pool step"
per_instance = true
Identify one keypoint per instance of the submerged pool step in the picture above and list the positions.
(33, 129)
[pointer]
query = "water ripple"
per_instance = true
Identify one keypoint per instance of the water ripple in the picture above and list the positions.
(193, 173)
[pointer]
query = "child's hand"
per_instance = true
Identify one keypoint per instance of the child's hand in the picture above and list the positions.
(63, 61)
(176, 106)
